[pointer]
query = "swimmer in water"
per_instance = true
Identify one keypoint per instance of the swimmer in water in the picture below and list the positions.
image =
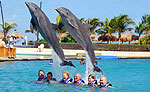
(66, 78)
(104, 83)
(78, 80)
(92, 80)
(50, 78)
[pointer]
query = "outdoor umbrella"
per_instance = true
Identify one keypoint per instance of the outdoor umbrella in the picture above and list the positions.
(61, 35)
(113, 38)
(18, 35)
(130, 36)
(92, 36)
(96, 38)
(123, 38)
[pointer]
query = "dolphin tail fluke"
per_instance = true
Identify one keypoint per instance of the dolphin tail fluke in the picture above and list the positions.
(97, 69)
(67, 63)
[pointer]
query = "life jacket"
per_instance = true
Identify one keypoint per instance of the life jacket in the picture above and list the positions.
(93, 84)
(41, 79)
(54, 79)
(66, 81)
(106, 85)
(79, 82)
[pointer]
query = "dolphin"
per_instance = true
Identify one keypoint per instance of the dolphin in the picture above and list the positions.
(79, 32)
(47, 30)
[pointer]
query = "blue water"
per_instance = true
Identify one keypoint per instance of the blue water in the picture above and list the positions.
(126, 75)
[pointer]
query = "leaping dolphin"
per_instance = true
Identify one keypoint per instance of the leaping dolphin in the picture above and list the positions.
(47, 30)
(79, 32)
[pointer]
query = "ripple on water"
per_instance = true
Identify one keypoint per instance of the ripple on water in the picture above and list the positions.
(125, 75)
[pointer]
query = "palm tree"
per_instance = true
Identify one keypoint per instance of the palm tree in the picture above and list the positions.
(121, 24)
(94, 22)
(7, 27)
(139, 29)
(36, 32)
(108, 28)
(146, 23)
(61, 28)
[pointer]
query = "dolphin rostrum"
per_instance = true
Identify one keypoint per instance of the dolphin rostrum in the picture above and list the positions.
(47, 30)
(79, 32)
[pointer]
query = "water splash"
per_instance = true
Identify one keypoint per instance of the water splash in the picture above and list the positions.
(89, 67)
(56, 65)
(57, 69)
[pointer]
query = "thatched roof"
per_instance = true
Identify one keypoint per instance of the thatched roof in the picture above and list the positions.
(129, 36)
(18, 35)
(61, 35)
(105, 37)
(92, 36)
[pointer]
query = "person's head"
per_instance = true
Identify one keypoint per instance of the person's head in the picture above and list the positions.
(82, 61)
(49, 75)
(65, 75)
(91, 78)
(41, 74)
(103, 81)
(77, 77)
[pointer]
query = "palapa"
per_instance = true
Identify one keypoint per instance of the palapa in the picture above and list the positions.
(18, 35)
(129, 36)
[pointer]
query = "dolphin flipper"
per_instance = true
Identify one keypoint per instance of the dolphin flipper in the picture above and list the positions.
(66, 63)
(97, 69)
(32, 25)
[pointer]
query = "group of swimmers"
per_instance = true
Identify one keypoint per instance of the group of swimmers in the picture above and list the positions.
(76, 81)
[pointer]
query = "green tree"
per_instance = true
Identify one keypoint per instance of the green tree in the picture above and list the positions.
(146, 23)
(36, 32)
(61, 28)
(94, 22)
(139, 29)
(7, 27)
(68, 39)
(108, 28)
(121, 24)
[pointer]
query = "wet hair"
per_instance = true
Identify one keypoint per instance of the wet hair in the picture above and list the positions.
(66, 73)
(49, 73)
(93, 76)
(82, 59)
(42, 71)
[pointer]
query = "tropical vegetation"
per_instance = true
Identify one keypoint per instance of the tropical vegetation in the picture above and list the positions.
(108, 27)
(7, 27)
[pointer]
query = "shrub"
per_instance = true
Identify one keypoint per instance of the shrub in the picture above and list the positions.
(145, 40)
(68, 39)
(42, 40)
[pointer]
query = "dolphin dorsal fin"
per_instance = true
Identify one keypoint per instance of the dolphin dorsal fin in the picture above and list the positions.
(55, 26)
(32, 25)
(87, 26)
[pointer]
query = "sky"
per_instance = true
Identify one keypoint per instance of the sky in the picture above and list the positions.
(15, 11)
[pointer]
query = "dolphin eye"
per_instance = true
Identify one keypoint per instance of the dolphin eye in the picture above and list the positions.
(67, 13)
(35, 8)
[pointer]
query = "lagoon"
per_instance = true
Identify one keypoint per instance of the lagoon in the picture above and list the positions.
(126, 75)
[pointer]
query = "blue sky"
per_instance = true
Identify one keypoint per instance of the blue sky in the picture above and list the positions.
(15, 11)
